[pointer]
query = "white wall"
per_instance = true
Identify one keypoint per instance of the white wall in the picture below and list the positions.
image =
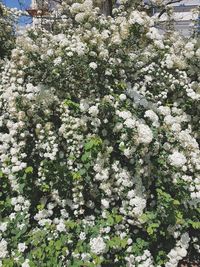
(184, 17)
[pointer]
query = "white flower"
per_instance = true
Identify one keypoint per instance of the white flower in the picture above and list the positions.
(105, 34)
(124, 114)
(153, 34)
(87, 5)
(169, 61)
(20, 199)
(61, 227)
(187, 140)
(57, 61)
(122, 97)
(128, 152)
(105, 203)
(177, 159)
(118, 127)
(129, 123)
(176, 127)
(145, 135)
(131, 194)
(151, 115)
(12, 216)
(189, 46)
(3, 249)
(108, 72)
(50, 52)
(14, 201)
(3, 226)
(17, 207)
(164, 110)
(138, 205)
(21, 247)
(198, 53)
(93, 111)
(80, 17)
(93, 65)
(26, 263)
(182, 252)
(84, 106)
(97, 245)
(185, 238)
(82, 236)
(169, 120)
(135, 17)
(75, 8)
(102, 176)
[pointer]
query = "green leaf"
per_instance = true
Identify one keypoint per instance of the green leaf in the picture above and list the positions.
(82, 171)
(86, 156)
(21, 187)
(93, 143)
(195, 225)
(118, 218)
(71, 104)
(29, 169)
(76, 176)
(176, 202)
(88, 145)
(58, 245)
(70, 224)
(87, 166)
(45, 187)
(179, 217)
(110, 220)
(40, 207)
(152, 228)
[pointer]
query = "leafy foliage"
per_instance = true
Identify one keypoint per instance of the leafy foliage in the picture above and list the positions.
(99, 143)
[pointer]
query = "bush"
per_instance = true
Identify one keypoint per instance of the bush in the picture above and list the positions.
(7, 35)
(99, 143)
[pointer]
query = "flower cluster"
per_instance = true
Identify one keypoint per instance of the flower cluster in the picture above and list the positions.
(8, 19)
(99, 143)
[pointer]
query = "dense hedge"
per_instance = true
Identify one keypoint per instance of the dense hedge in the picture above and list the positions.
(7, 35)
(99, 143)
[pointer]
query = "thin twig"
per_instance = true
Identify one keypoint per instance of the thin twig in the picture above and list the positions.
(169, 3)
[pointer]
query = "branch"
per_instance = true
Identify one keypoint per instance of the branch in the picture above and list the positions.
(169, 3)
(58, 1)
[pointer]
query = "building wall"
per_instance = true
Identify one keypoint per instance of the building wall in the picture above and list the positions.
(186, 19)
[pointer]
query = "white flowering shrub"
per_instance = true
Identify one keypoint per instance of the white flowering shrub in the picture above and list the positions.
(7, 36)
(99, 143)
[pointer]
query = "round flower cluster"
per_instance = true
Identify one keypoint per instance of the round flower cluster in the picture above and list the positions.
(6, 34)
(99, 142)
(8, 20)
